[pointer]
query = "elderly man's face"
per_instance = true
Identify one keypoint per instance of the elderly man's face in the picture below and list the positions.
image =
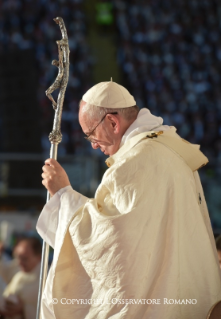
(27, 259)
(106, 136)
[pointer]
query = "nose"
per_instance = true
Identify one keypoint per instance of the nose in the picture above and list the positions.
(94, 145)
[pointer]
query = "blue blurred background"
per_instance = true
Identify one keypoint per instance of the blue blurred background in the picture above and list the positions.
(166, 53)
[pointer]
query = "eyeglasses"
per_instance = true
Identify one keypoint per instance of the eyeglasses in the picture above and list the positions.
(87, 137)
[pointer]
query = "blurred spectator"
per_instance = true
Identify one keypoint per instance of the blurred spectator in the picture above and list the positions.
(22, 292)
(8, 267)
(218, 247)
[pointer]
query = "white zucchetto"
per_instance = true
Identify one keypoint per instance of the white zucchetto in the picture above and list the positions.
(109, 95)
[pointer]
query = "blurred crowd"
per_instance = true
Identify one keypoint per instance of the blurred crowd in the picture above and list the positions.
(170, 53)
(29, 25)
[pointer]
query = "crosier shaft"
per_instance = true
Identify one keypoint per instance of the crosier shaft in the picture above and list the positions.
(55, 136)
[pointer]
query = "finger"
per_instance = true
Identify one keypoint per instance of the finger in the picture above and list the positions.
(47, 168)
(43, 182)
(48, 179)
(46, 182)
(44, 175)
(52, 162)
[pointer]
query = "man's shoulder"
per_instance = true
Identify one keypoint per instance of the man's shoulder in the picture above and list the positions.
(141, 160)
(157, 155)
(164, 147)
(147, 150)
(19, 279)
(24, 278)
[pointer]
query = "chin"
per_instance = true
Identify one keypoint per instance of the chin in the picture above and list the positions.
(109, 152)
(104, 151)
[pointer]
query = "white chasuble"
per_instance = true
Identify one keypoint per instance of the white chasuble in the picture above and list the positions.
(143, 247)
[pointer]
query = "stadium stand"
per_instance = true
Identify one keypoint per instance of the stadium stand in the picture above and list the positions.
(170, 53)
(29, 25)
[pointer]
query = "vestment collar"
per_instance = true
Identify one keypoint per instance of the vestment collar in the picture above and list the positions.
(190, 153)
(126, 147)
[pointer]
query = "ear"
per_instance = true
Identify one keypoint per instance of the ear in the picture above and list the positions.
(114, 123)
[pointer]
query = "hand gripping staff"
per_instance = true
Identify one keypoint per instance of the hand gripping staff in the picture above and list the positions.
(55, 136)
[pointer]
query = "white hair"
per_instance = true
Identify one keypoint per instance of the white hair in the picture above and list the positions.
(96, 112)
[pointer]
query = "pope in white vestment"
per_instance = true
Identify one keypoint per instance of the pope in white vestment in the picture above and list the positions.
(143, 247)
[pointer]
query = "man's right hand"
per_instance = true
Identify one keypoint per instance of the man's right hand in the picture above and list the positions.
(54, 176)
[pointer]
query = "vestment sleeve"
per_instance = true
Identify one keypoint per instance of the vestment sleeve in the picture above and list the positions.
(50, 216)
